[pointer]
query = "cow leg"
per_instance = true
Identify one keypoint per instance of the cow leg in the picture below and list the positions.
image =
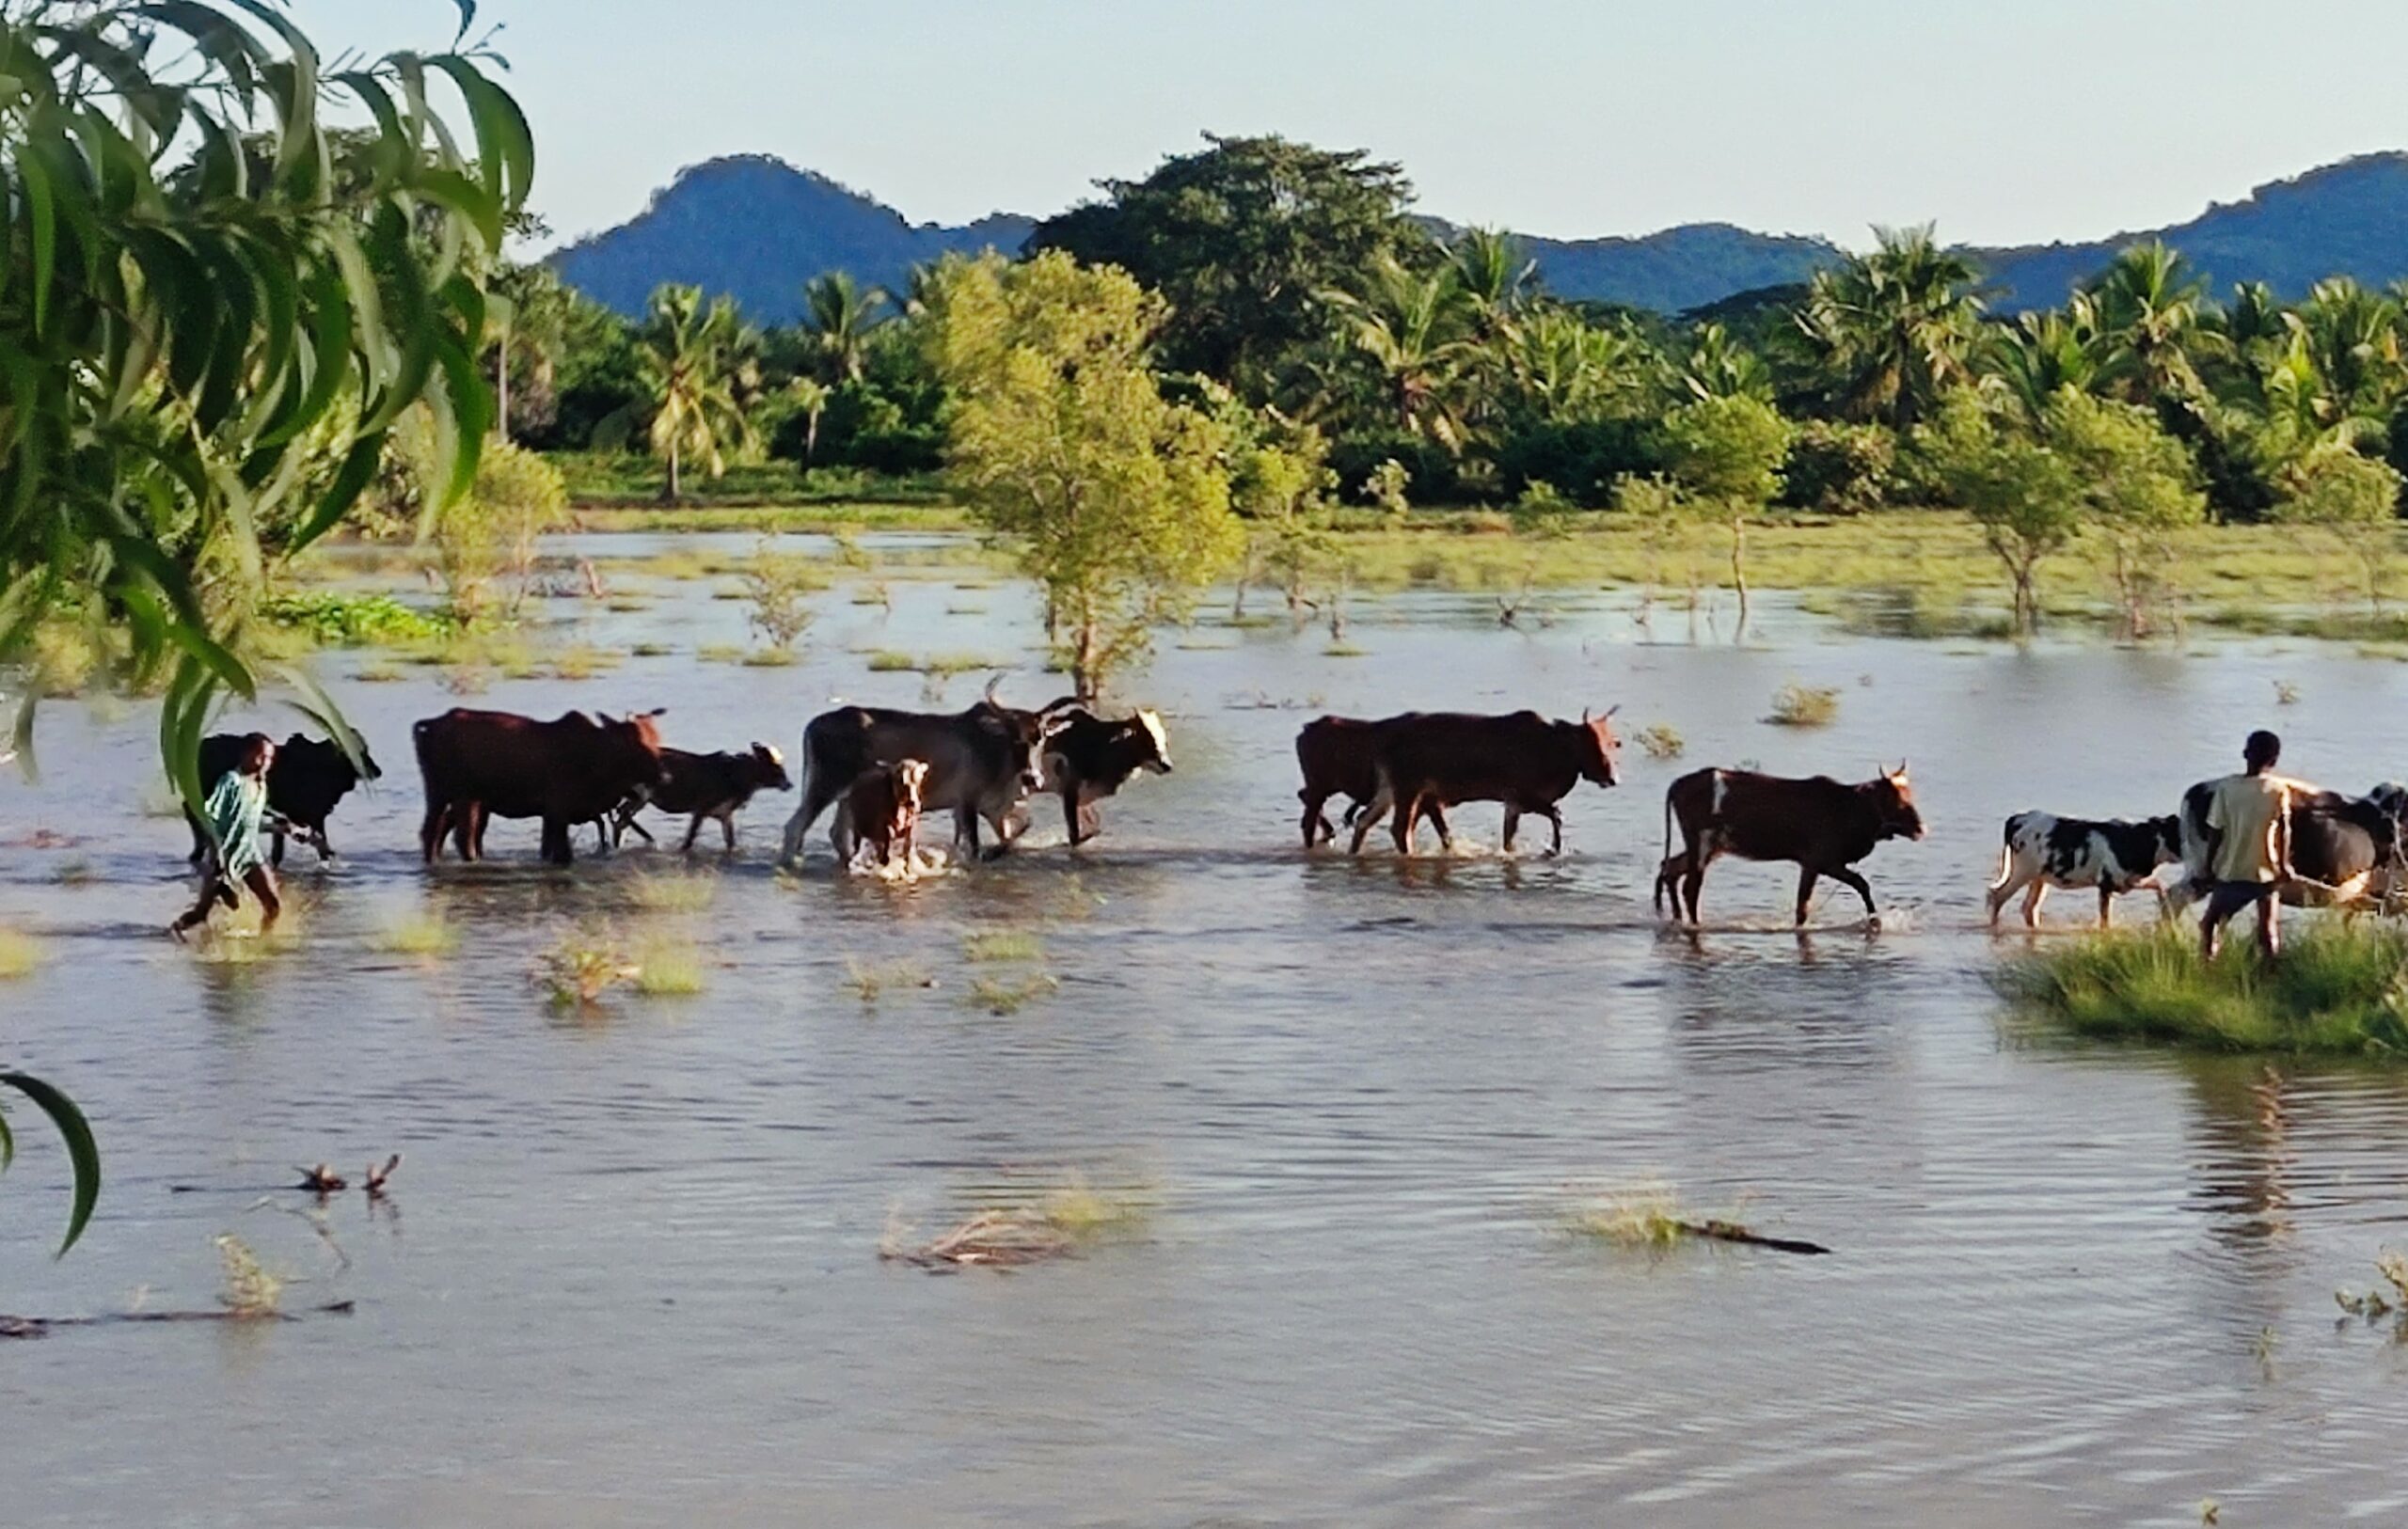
(628, 825)
(1369, 814)
(1847, 876)
(467, 837)
(1806, 878)
(727, 826)
(2106, 906)
(1071, 815)
(693, 826)
(1512, 822)
(325, 845)
(276, 848)
(200, 839)
(1003, 838)
(1401, 827)
(1669, 872)
(2033, 898)
(1554, 816)
(1694, 880)
(430, 831)
(2001, 891)
(1317, 827)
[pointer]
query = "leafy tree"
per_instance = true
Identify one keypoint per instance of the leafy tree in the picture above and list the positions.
(692, 353)
(1279, 484)
(838, 318)
(489, 534)
(1413, 327)
(2042, 355)
(2150, 320)
(1718, 367)
(1893, 329)
(530, 313)
(2354, 500)
(1061, 438)
(2139, 494)
(1726, 452)
(184, 341)
(2025, 497)
(1242, 238)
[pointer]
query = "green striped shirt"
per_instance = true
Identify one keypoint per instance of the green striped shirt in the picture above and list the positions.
(235, 807)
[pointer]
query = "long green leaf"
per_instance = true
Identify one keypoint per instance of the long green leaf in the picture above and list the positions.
(83, 1151)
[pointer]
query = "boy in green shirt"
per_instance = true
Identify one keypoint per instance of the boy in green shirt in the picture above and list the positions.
(236, 804)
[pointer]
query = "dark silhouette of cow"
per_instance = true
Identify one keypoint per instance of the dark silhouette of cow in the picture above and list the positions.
(705, 786)
(305, 781)
(575, 769)
(1435, 760)
(1819, 825)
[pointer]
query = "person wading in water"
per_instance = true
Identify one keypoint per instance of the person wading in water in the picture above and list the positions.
(236, 804)
(2249, 846)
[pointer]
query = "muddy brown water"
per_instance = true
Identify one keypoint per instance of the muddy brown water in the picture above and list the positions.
(627, 1273)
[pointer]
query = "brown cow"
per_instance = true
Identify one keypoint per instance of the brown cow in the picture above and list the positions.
(884, 807)
(1821, 825)
(1336, 755)
(573, 769)
(1439, 759)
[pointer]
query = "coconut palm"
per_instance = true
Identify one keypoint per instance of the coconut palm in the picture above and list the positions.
(1721, 367)
(1558, 368)
(838, 315)
(2152, 324)
(2043, 353)
(810, 396)
(2350, 337)
(1497, 279)
(1895, 328)
(1414, 328)
(692, 354)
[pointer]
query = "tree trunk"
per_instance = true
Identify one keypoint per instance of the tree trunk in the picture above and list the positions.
(811, 435)
(669, 489)
(2027, 606)
(1740, 571)
(1083, 677)
(501, 386)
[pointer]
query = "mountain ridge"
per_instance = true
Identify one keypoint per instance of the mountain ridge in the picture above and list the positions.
(757, 227)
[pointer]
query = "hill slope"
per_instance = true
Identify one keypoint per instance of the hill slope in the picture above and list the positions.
(758, 227)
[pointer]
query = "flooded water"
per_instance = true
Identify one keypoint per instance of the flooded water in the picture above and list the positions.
(629, 1272)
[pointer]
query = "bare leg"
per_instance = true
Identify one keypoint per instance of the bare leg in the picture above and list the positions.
(262, 881)
(2270, 913)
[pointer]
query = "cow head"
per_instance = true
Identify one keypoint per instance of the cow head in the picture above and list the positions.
(1602, 761)
(2164, 841)
(765, 770)
(1018, 738)
(1894, 804)
(910, 778)
(631, 749)
(2391, 800)
(1152, 741)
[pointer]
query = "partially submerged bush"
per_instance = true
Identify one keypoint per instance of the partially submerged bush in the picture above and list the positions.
(1660, 740)
(1064, 1221)
(2338, 988)
(353, 621)
(1804, 706)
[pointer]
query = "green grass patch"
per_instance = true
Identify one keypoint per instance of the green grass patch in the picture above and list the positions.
(2339, 988)
(1804, 706)
(675, 891)
(771, 658)
(1002, 945)
(417, 934)
(21, 955)
(887, 661)
(667, 967)
(353, 621)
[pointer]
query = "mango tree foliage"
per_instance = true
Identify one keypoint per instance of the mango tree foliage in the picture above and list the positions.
(198, 313)
(2355, 502)
(1060, 437)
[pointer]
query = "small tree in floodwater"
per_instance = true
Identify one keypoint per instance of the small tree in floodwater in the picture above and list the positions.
(2140, 493)
(2022, 495)
(1727, 453)
(2355, 502)
(1061, 438)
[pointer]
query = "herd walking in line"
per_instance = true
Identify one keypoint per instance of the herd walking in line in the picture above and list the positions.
(2255, 839)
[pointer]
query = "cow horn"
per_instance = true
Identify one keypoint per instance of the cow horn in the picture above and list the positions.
(1610, 710)
(1584, 717)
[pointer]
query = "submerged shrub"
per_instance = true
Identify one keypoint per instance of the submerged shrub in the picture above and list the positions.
(1804, 706)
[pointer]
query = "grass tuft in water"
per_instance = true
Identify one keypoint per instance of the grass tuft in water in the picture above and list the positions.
(770, 658)
(1062, 1221)
(869, 982)
(418, 934)
(248, 1290)
(668, 966)
(1002, 945)
(585, 965)
(999, 996)
(888, 661)
(1659, 740)
(1650, 1216)
(673, 891)
(21, 955)
(2340, 988)
(1804, 706)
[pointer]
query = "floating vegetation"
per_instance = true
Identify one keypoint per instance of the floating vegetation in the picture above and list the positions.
(1002, 945)
(21, 955)
(418, 934)
(668, 966)
(1659, 740)
(719, 652)
(1804, 706)
(581, 968)
(674, 892)
(248, 1289)
(770, 658)
(76, 873)
(2340, 988)
(869, 982)
(583, 662)
(652, 650)
(999, 996)
(887, 661)
(379, 672)
(1064, 1221)
(1651, 1217)
(1345, 650)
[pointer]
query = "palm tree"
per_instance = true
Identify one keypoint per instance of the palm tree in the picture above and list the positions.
(1560, 369)
(809, 396)
(1497, 279)
(1895, 328)
(838, 315)
(2152, 322)
(692, 354)
(1721, 367)
(1414, 328)
(526, 310)
(2044, 352)
(2350, 337)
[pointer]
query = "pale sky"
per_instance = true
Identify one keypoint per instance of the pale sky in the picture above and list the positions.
(2006, 120)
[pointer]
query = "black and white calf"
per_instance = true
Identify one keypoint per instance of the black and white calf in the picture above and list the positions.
(2043, 850)
(1087, 759)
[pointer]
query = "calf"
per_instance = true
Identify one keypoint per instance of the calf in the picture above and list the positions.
(2043, 850)
(1334, 754)
(1425, 761)
(308, 779)
(1086, 759)
(982, 764)
(1819, 825)
(884, 807)
(705, 786)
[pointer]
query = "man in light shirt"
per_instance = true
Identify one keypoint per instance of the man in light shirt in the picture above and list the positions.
(2249, 846)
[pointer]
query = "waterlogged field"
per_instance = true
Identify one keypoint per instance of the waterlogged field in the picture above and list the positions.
(1359, 1167)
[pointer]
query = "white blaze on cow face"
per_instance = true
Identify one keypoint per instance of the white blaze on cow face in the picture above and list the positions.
(1152, 721)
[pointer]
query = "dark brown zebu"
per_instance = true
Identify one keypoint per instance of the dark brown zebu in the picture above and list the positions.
(573, 770)
(1338, 757)
(1819, 825)
(1432, 760)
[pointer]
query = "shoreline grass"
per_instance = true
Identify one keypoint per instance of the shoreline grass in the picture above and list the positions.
(2339, 989)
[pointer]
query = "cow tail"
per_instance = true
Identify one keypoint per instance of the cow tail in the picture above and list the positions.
(2006, 851)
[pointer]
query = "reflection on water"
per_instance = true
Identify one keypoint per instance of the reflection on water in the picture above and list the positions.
(638, 1282)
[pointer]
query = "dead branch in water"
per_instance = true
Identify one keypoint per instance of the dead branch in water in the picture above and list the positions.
(41, 1327)
(1719, 1231)
(988, 1239)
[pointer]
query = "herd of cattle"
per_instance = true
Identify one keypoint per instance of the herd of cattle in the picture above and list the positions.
(880, 769)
